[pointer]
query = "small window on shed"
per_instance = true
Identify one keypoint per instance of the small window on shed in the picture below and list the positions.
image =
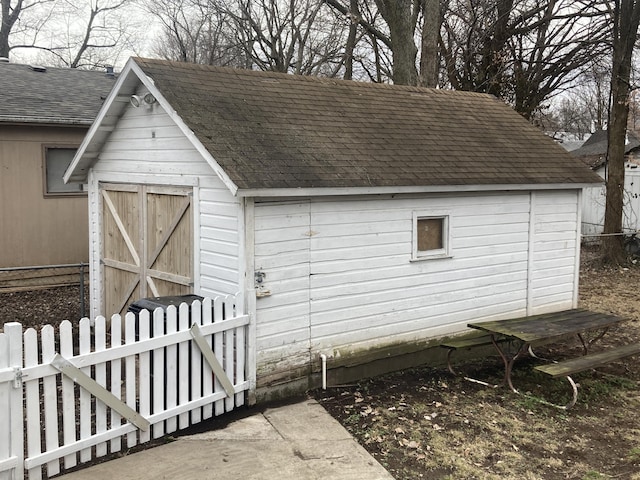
(56, 161)
(431, 236)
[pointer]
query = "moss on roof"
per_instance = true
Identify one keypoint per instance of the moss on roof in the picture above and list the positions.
(272, 130)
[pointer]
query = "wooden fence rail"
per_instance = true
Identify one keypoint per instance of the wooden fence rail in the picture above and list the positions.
(88, 390)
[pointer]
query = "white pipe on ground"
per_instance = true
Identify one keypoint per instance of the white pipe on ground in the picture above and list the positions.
(323, 357)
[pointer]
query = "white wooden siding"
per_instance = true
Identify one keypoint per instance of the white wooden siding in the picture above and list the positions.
(219, 239)
(554, 251)
(354, 255)
(282, 252)
(147, 140)
(383, 295)
(340, 270)
(147, 147)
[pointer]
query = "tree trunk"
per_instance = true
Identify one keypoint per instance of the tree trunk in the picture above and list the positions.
(625, 28)
(401, 19)
(429, 64)
(494, 50)
(8, 17)
(354, 15)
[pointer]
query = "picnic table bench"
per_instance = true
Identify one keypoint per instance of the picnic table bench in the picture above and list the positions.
(566, 368)
(520, 333)
(468, 342)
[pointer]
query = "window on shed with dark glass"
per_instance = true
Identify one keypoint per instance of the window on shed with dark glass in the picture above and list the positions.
(56, 161)
(431, 236)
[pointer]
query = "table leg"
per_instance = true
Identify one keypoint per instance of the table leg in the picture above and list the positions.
(586, 344)
(508, 362)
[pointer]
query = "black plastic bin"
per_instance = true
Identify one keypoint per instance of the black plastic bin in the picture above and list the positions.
(151, 303)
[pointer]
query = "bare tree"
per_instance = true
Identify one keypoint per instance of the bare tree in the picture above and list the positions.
(92, 29)
(404, 22)
(289, 36)
(196, 31)
(570, 115)
(626, 18)
(370, 34)
(558, 43)
(301, 37)
(72, 33)
(10, 15)
(523, 52)
(13, 22)
(592, 93)
(352, 39)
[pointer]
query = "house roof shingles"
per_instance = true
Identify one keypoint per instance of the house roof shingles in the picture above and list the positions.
(593, 151)
(55, 96)
(271, 130)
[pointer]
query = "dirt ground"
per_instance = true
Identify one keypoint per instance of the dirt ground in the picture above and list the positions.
(36, 308)
(425, 423)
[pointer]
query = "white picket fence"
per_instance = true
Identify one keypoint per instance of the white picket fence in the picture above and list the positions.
(75, 394)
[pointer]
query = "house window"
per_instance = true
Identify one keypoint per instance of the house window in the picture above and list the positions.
(56, 161)
(431, 236)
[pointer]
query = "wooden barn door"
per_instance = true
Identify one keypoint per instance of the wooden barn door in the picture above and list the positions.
(147, 243)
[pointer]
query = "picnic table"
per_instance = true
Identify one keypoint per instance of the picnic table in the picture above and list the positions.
(512, 338)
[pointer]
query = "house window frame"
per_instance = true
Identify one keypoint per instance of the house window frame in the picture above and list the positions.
(445, 251)
(45, 186)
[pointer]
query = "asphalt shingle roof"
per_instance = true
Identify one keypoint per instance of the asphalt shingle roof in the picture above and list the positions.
(271, 130)
(55, 96)
(593, 151)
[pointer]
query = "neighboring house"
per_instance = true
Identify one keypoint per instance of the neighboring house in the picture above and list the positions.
(360, 220)
(44, 115)
(593, 153)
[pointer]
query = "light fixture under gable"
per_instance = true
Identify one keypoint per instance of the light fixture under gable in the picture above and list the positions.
(137, 100)
(149, 99)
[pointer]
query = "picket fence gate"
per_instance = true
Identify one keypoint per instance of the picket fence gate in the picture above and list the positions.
(82, 392)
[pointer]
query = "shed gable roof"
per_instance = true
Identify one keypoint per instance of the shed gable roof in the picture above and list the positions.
(54, 96)
(269, 131)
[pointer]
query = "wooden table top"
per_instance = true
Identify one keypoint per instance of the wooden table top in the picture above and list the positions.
(549, 325)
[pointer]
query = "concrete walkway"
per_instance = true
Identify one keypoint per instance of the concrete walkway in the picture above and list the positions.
(300, 441)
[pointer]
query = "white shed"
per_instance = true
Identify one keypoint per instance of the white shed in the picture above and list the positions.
(360, 220)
